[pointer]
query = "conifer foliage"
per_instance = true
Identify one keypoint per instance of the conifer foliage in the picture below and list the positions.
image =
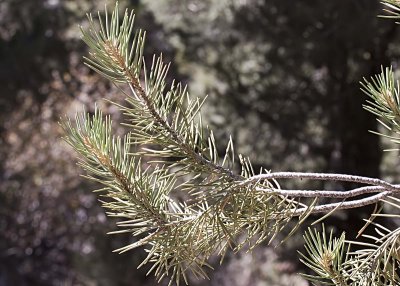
(183, 202)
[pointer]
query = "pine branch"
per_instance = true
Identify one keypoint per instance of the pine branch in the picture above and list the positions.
(222, 210)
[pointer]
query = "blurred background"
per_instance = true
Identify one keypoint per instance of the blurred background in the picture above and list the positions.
(282, 78)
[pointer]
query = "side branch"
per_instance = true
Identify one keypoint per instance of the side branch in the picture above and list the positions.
(343, 205)
(381, 187)
(326, 193)
(107, 163)
(139, 92)
(323, 177)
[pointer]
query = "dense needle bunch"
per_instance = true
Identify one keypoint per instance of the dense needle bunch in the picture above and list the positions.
(183, 202)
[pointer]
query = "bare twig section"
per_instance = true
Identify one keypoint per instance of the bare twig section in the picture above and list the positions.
(326, 193)
(323, 177)
(343, 205)
(379, 186)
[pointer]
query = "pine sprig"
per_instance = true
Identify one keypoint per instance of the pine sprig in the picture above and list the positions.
(141, 199)
(113, 54)
(115, 58)
(384, 92)
(166, 126)
(376, 263)
(169, 150)
(137, 195)
(325, 256)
